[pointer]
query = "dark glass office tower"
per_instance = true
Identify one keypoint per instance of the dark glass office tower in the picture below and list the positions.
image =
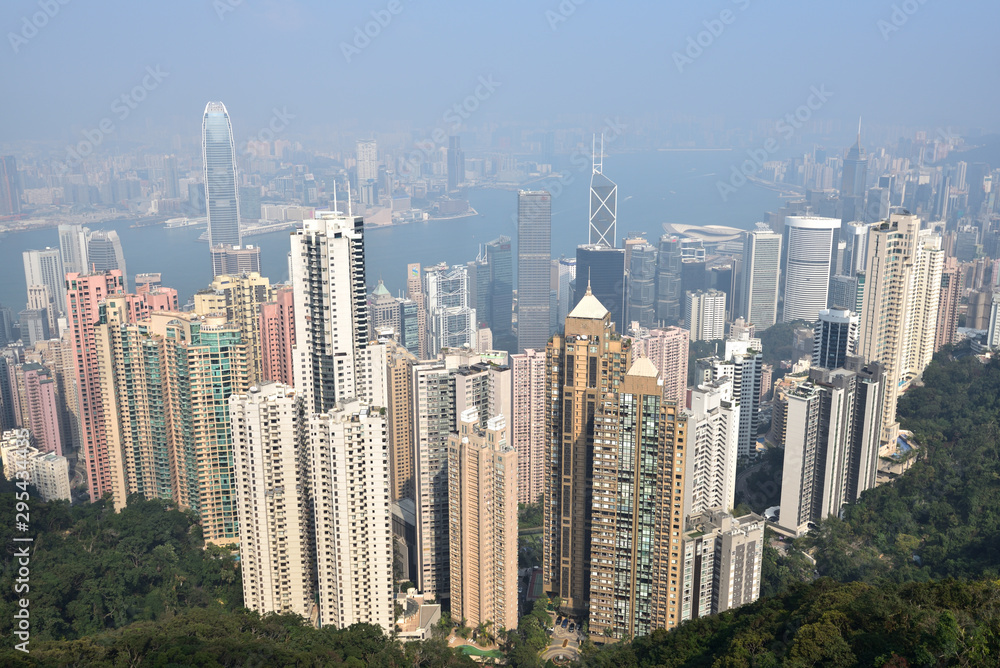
(603, 269)
(534, 262)
(499, 257)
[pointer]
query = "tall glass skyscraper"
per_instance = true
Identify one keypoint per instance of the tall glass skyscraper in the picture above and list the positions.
(498, 256)
(603, 204)
(104, 252)
(219, 157)
(534, 262)
(601, 270)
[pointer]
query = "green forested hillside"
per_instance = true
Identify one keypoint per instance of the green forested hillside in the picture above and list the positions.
(217, 637)
(93, 569)
(832, 624)
(942, 518)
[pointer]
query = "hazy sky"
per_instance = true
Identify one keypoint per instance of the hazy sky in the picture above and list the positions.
(928, 63)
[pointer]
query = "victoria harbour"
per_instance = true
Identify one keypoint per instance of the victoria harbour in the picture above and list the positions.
(655, 187)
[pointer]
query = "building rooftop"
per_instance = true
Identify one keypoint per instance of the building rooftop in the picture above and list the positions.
(589, 307)
(644, 367)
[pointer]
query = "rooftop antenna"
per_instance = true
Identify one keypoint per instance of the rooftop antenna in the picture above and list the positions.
(859, 131)
(335, 194)
(349, 213)
(598, 160)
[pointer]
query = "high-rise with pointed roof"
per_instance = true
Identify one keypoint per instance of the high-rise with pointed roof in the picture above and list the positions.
(581, 366)
(853, 185)
(638, 475)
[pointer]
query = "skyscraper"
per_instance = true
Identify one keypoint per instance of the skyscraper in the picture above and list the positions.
(642, 284)
(450, 318)
(384, 310)
(832, 427)
(482, 469)
(639, 452)
(277, 337)
(42, 407)
(807, 257)
(275, 500)
(45, 267)
(836, 337)
(367, 157)
(10, 187)
(527, 422)
(603, 205)
(433, 421)
(669, 310)
(399, 405)
(854, 183)
(456, 162)
(667, 349)
(73, 246)
(901, 299)
(601, 269)
(240, 297)
(501, 290)
(171, 184)
(415, 291)
(349, 474)
(84, 295)
(722, 562)
(743, 363)
(331, 307)
(714, 427)
(705, 315)
(761, 268)
(133, 374)
(235, 259)
(221, 182)
(534, 255)
(206, 364)
(581, 366)
(951, 292)
(40, 299)
(104, 253)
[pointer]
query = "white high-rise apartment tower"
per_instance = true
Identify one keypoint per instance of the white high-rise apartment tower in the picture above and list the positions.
(274, 497)
(714, 429)
(349, 474)
(331, 307)
(705, 314)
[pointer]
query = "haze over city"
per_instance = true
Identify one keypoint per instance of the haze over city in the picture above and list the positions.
(531, 333)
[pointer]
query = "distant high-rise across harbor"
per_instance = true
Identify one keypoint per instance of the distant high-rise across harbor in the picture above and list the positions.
(221, 191)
